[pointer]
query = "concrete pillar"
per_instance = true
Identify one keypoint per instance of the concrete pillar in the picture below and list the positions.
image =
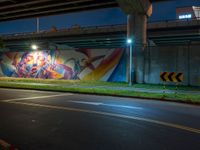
(137, 31)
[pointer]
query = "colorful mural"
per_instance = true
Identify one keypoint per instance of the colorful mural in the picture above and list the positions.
(79, 64)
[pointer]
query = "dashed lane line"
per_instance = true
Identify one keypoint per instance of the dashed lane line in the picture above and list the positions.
(37, 97)
(104, 104)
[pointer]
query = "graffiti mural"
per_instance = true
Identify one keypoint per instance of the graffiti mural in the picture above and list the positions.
(79, 64)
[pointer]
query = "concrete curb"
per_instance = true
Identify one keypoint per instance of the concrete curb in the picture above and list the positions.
(102, 94)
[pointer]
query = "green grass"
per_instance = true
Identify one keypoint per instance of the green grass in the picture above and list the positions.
(95, 83)
(62, 87)
(60, 81)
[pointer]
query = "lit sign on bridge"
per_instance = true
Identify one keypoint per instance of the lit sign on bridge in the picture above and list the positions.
(186, 16)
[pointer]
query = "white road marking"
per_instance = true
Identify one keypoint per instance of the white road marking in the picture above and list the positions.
(72, 101)
(122, 106)
(162, 123)
(25, 90)
(87, 103)
(100, 103)
(37, 97)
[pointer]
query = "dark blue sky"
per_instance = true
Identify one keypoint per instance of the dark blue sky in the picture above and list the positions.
(161, 11)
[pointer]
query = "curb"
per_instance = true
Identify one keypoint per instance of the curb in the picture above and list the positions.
(6, 146)
(104, 94)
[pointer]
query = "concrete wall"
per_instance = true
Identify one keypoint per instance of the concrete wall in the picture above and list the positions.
(111, 64)
(184, 59)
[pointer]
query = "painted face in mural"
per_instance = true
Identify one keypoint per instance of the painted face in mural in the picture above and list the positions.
(29, 59)
(41, 65)
(32, 63)
(41, 59)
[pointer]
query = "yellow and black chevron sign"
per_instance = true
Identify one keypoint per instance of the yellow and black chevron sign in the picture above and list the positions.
(171, 77)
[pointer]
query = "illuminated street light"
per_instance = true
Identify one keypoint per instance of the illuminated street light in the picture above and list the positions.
(129, 42)
(34, 47)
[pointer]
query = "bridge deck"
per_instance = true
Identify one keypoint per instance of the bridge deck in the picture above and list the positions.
(106, 36)
(17, 9)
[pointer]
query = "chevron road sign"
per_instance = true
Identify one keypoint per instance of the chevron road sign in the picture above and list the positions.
(171, 77)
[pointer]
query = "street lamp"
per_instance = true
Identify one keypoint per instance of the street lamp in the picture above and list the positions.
(38, 24)
(34, 47)
(130, 43)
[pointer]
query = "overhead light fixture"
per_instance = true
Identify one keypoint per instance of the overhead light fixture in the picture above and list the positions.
(34, 47)
(129, 41)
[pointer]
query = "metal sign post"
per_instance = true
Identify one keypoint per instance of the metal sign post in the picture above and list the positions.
(171, 77)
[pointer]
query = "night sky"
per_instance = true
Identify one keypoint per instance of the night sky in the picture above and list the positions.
(161, 11)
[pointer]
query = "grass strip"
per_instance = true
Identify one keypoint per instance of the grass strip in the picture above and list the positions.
(96, 83)
(186, 98)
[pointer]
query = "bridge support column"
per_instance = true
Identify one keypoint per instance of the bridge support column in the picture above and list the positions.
(136, 30)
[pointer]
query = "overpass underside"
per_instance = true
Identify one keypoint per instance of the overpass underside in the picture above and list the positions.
(18, 9)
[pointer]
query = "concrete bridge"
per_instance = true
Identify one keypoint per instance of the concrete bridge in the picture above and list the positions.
(112, 36)
(37, 8)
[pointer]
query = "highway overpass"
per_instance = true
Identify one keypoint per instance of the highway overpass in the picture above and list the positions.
(161, 33)
(18, 9)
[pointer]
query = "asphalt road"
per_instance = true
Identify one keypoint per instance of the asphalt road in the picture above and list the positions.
(39, 120)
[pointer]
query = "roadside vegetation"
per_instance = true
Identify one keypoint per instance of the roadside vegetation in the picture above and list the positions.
(105, 88)
(1, 44)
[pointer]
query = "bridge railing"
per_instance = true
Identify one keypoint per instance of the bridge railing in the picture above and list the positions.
(72, 29)
(174, 23)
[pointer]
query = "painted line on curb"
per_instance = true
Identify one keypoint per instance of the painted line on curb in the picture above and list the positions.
(37, 97)
(171, 125)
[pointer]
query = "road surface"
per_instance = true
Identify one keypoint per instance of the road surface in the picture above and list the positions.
(42, 120)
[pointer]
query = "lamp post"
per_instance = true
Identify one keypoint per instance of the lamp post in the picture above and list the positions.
(130, 44)
(34, 47)
(38, 24)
